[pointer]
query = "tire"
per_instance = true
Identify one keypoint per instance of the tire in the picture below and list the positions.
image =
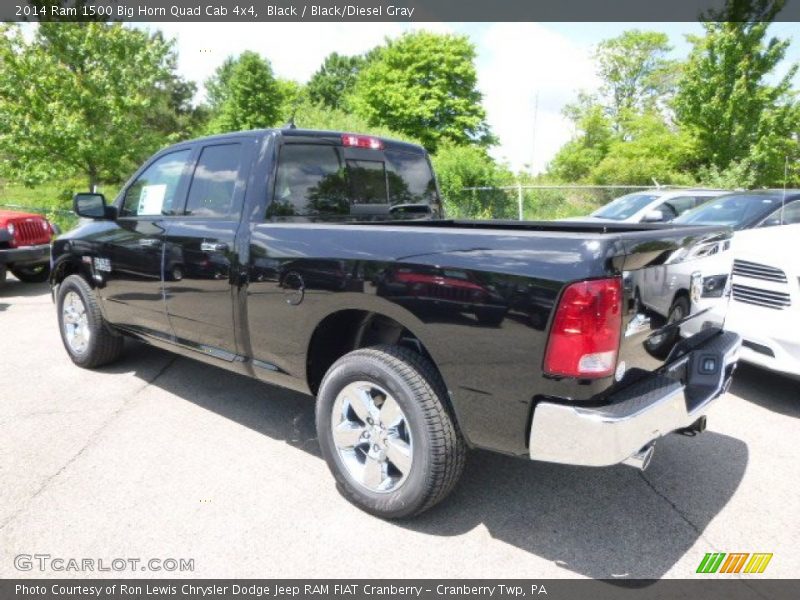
(2, 274)
(33, 273)
(100, 345)
(427, 432)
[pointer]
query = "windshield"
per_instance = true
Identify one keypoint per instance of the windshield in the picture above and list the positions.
(737, 210)
(624, 206)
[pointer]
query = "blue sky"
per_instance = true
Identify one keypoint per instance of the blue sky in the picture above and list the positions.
(526, 71)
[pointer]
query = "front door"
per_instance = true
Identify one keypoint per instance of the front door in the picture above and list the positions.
(200, 253)
(132, 253)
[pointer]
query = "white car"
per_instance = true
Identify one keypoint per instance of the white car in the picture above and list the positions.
(677, 288)
(765, 305)
(651, 206)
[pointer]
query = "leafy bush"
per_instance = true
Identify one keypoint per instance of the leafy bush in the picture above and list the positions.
(458, 167)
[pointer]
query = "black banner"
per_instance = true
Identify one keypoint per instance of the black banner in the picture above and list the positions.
(378, 10)
(711, 588)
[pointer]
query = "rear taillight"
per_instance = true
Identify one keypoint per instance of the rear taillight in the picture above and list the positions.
(361, 141)
(586, 329)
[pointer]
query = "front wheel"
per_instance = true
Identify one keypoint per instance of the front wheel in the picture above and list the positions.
(386, 433)
(32, 274)
(87, 337)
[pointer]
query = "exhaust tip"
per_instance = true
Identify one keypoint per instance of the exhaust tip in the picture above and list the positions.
(641, 459)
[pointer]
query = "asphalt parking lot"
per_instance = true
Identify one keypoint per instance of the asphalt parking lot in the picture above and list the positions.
(163, 457)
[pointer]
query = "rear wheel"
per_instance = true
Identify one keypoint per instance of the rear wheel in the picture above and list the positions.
(87, 337)
(32, 274)
(386, 433)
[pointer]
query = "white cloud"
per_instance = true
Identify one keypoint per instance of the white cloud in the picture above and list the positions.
(295, 50)
(517, 61)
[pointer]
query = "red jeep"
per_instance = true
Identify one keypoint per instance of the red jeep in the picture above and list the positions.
(25, 246)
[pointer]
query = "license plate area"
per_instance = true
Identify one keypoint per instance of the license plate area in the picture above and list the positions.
(709, 369)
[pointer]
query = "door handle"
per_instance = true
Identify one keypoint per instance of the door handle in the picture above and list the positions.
(214, 247)
(149, 242)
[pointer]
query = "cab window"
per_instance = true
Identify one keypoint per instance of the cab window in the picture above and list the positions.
(211, 191)
(309, 181)
(154, 190)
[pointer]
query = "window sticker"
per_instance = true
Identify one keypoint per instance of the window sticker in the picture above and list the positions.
(151, 199)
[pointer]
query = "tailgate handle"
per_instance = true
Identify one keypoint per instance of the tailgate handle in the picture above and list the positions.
(214, 247)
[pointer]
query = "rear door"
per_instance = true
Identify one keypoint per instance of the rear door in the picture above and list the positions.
(129, 256)
(199, 255)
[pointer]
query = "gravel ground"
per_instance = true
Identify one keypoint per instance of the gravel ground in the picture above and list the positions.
(163, 457)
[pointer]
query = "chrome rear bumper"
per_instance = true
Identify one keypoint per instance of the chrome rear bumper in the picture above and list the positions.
(637, 415)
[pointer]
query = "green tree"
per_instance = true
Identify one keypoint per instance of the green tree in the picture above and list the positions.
(243, 94)
(623, 134)
(651, 152)
(576, 159)
(458, 167)
(172, 110)
(291, 94)
(308, 115)
(424, 85)
(217, 86)
(335, 79)
(725, 98)
(636, 73)
(78, 99)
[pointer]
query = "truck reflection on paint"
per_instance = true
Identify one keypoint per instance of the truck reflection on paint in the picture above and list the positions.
(433, 289)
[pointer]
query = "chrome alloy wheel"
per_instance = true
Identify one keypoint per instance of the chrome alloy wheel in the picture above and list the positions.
(75, 322)
(372, 436)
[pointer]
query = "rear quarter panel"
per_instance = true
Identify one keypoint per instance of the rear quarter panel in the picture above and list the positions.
(479, 301)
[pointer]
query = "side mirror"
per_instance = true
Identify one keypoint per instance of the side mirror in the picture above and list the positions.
(653, 216)
(92, 206)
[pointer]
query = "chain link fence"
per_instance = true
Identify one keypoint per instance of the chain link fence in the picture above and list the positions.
(515, 202)
(533, 202)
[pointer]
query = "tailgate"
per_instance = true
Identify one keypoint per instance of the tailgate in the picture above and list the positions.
(677, 283)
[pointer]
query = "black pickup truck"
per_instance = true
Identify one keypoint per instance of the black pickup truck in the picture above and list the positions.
(322, 262)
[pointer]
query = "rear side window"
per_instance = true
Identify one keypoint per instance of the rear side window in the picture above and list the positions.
(677, 206)
(154, 190)
(310, 181)
(411, 181)
(211, 192)
(321, 181)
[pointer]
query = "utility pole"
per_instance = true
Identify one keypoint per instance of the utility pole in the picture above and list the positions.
(533, 136)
